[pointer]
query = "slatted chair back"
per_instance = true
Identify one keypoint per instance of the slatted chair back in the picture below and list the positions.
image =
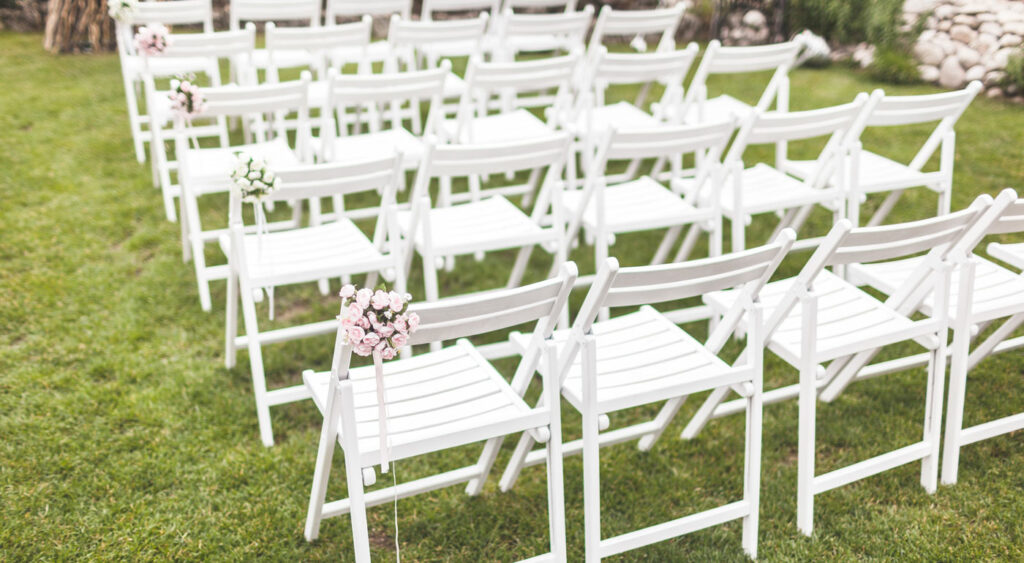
(662, 22)
(748, 270)
(780, 127)
(433, 7)
(945, 108)
(564, 5)
(507, 85)
(320, 42)
(608, 69)
(430, 40)
(306, 12)
(1010, 221)
(208, 49)
(179, 12)
(357, 8)
(568, 29)
(717, 59)
(375, 102)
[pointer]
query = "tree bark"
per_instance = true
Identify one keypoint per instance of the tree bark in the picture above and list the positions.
(74, 26)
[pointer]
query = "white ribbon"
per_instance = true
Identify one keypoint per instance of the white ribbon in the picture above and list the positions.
(382, 412)
(261, 228)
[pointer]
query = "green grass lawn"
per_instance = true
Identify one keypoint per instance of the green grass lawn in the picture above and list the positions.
(123, 437)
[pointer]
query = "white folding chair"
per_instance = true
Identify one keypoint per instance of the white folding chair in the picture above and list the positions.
(659, 22)
(508, 88)
(487, 222)
(535, 5)
(822, 325)
(764, 188)
(258, 262)
(377, 51)
(432, 7)
(641, 358)
(425, 44)
(180, 12)
(264, 113)
(537, 33)
(322, 44)
(698, 107)
(876, 173)
(606, 208)
(207, 51)
(992, 293)
(365, 115)
(449, 398)
(302, 12)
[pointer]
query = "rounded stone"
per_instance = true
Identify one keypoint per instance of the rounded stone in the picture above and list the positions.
(994, 77)
(755, 19)
(951, 74)
(994, 93)
(929, 53)
(991, 27)
(968, 57)
(976, 72)
(929, 73)
(1010, 40)
(944, 25)
(965, 19)
(962, 33)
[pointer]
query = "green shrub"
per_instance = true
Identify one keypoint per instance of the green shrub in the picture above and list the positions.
(848, 21)
(1015, 70)
(894, 66)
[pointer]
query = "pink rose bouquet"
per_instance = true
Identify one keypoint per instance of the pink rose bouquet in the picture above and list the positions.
(152, 39)
(186, 99)
(376, 320)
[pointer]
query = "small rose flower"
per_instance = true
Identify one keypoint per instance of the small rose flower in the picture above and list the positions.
(414, 321)
(347, 291)
(364, 323)
(399, 339)
(399, 324)
(363, 297)
(380, 300)
(396, 301)
(356, 334)
(385, 330)
(387, 353)
(371, 339)
(355, 311)
(363, 349)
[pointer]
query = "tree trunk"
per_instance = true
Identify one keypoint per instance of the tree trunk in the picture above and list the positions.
(78, 25)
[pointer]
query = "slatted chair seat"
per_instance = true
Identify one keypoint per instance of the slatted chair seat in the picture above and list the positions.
(764, 189)
(452, 396)
(719, 108)
(638, 354)
(621, 116)
(300, 255)
(639, 205)
(1011, 253)
(375, 51)
(996, 289)
(493, 222)
(875, 173)
(371, 145)
(165, 66)
(283, 58)
(512, 126)
(847, 316)
(208, 170)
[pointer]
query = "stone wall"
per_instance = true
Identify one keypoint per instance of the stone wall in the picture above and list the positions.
(965, 40)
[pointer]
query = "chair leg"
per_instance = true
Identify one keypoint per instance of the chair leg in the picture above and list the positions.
(671, 235)
(519, 268)
(259, 380)
(665, 416)
(703, 414)
(883, 210)
(805, 450)
(591, 460)
(231, 318)
(322, 472)
(955, 406)
(556, 485)
(484, 465)
(739, 234)
(933, 419)
(752, 474)
(515, 464)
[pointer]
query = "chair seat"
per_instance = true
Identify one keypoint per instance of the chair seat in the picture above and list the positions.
(169, 66)
(718, 109)
(1011, 253)
(766, 189)
(875, 173)
(283, 58)
(376, 51)
(490, 224)
(638, 355)
(309, 253)
(638, 205)
(847, 316)
(997, 291)
(209, 170)
(435, 400)
(368, 146)
(510, 126)
(622, 116)
(453, 87)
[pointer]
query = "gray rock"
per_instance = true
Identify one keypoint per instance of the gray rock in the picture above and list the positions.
(755, 19)
(985, 43)
(919, 6)
(864, 55)
(929, 53)
(973, 8)
(945, 12)
(994, 77)
(951, 74)
(987, 17)
(1010, 40)
(1007, 17)
(962, 33)
(968, 57)
(965, 19)
(1016, 28)
(991, 27)
(944, 25)
(976, 72)
(994, 93)
(1012, 89)
(929, 73)
(1001, 57)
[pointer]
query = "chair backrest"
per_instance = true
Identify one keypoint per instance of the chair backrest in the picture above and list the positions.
(431, 7)
(357, 8)
(1011, 220)
(565, 5)
(747, 270)
(607, 69)
(319, 41)
(569, 27)
(624, 23)
(717, 59)
(430, 40)
(946, 108)
(233, 46)
(486, 81)
(304, 11)
(178, 12)
(358, 103)
(778, 127)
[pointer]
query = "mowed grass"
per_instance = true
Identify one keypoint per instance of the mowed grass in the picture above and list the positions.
(122, 436)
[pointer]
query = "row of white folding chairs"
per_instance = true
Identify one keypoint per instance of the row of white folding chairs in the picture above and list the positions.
(642, 357)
